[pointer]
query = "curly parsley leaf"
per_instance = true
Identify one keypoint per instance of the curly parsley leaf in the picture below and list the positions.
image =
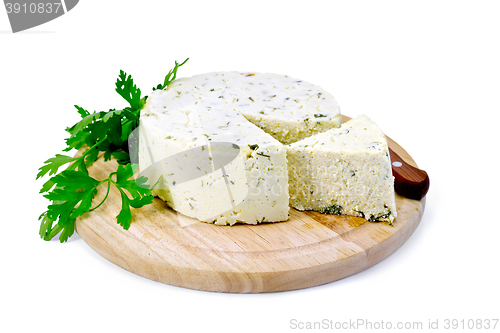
(53, 164)
(78, 140)
(126, 87)
(88, 119)
(72, 188)
(83, 113)
(71, 197)
(171, 76)
(73, 194)
(140, 194)
(102, 133)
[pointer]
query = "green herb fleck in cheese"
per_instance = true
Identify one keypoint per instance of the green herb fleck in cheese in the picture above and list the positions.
(343, 171)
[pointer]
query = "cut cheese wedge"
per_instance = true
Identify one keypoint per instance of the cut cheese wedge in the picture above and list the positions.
(343, 171)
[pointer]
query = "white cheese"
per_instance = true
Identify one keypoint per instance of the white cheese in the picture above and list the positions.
(214, 146)
(287, 108)
(344, 171)
(182, 129)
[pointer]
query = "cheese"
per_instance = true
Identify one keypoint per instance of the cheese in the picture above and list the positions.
(287, 108)
(207, 160)
(215, 146)
(344, 171)
(203, 142)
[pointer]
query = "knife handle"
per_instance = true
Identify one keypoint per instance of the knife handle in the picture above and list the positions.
(409, 181)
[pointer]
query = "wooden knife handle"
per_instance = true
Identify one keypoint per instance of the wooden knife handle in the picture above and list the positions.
(409, 181)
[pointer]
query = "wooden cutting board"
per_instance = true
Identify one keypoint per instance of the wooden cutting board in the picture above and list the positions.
(308, 250)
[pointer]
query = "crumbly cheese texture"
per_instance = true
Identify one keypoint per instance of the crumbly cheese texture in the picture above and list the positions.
(184, 129)
(344, 171)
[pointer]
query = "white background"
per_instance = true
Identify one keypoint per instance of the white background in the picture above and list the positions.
(427, 72)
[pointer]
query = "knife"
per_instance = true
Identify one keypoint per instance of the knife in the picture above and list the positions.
(409, 181)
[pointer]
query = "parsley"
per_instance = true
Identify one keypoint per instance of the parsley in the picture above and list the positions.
(106, 134)
(333, 209)
(172, 74)
(381, 217)
(262, 154)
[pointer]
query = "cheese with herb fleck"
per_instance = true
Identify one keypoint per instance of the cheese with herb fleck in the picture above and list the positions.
(216, 147)
(183, 132)
(343, 171)
(184, 129)
(287, 108)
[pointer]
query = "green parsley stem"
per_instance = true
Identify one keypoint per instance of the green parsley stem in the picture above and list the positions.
(109, 180)
(86, 152)
(57, 229)
(68, 202)
(95, 145)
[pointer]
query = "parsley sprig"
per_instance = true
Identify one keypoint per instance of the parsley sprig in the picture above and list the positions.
(103, 133)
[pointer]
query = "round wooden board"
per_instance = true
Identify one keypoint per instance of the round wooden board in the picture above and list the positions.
(308, 250)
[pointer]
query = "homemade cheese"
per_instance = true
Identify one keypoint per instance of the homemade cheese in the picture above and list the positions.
(204, 144)
(215, 146)
(286, 108)
(343, 171)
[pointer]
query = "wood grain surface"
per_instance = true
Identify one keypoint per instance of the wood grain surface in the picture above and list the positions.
(308, 250)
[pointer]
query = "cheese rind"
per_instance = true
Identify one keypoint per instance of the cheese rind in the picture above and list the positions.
(344, 171)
